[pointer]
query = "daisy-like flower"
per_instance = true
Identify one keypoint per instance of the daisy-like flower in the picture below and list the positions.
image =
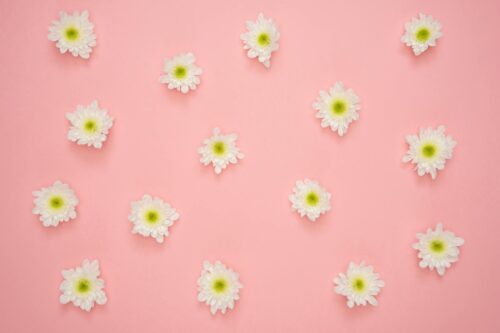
(73, 33)
(54, 204)
(438, 249)
(152, 217)
(82, 286)
(337, 108)
(429, 150)
(89, 125)
(181, 73)
(218, 286)
(261, 39)
(220, 150)
(360, 285)
(421, 33)
(310, 199)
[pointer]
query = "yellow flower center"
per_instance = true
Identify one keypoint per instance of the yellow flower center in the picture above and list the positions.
(72, 33)
(423, 34)
(56, 202)
(312, 199)
(180, 72)
(358, 284)
(83, 286)
(90, 126)
(339, 107)
(429, 150)
(263, 39)
(152, 216)
(219, 148)
(437, 246)
(219, 285)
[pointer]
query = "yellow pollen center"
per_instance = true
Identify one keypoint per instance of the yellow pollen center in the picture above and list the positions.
(263, 39)
(90, 126)
(437, 246)
(312, 198)
(180, 72)
(72, 34)
(358, 284)
(83, 286)
(339, 107)
(422, 35)
(219, 148)
(429, 150)
(219, 285)
(56, 202)
(152, 216)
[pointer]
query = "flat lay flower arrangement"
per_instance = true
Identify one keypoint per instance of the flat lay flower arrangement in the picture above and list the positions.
(221, 151)
(337, 109)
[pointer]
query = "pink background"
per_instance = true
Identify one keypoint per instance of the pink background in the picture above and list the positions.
(243, 216)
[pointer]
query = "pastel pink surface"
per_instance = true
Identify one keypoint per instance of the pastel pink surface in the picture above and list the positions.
(243, 216)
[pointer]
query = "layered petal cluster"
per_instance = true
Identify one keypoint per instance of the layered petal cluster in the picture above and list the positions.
(73, 33)
(82, 286)
(90, 125)
(181, 73)
(261, 39)
(218, 287)
(421, 33)
(337, 108)
(56, 203)
(220, 150)
(360, 284)
(438, 249)
(310, 199)
(429, 150)
(152, 217)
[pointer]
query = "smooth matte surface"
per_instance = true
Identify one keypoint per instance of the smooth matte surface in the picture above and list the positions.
(243, 216)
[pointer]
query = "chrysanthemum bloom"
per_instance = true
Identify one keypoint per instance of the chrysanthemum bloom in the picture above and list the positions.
(429, 150)
(152, 217)
(359, 285)
(220, 150)
(82, 286)
(181, 73)
(310, 199)
(90, 125)
(261, 39)
(73, 33)
(54, 204)
(218, 287)
(421, 33)
(438, 249)
(337, 108)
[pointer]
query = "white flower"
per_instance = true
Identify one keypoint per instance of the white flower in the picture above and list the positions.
(337, 108)
(73, 33)
(218, 286)
(310, 199)
(151, 217)
(220, 150)
(261, 39)
(429, 150)
(360, 285)
(82, 286)
(181, 73)
(54, 204)
(89, 125)
(438, 249)
(421, 33)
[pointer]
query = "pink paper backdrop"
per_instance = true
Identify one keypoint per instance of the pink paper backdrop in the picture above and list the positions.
(243, 216)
